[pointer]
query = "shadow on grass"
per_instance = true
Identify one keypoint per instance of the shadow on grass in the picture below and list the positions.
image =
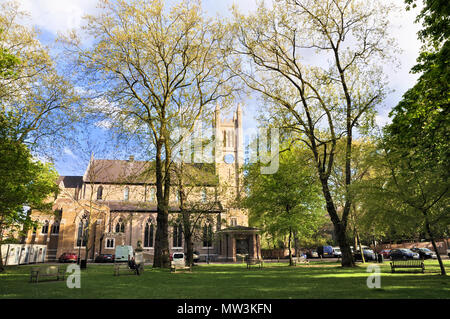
(231, 281)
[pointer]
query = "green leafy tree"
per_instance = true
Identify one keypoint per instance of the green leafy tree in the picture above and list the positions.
(25, 182)
(36, 101)
(407, 195)
(325, 99)
(288, 202)
(157, 70)
(416, 144)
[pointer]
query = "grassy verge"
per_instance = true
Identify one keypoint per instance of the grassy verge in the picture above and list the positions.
(276, 280)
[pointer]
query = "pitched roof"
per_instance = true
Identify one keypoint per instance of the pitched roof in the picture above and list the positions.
(70, 181)
(143, 172)
(119, 171)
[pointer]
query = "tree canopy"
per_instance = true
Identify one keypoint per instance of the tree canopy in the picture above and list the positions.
(288, 202)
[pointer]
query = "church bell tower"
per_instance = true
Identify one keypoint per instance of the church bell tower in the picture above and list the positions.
(229, 150)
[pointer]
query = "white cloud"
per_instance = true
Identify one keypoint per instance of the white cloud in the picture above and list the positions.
(104, 124)
(67, 151)
(57, 16)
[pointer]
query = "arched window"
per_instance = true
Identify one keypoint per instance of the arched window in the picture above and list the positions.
(177, 235)
(126, 193)
(82, 234)
(207, 235)
(55, 228)
(224, 138)
(148, 234)
(120, 226)
(100, 192)
(45, 228)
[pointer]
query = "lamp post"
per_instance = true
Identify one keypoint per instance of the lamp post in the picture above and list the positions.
(208, 238)
(81, 238)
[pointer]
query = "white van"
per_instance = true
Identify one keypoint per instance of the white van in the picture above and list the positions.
(178, 259)
(123, 253)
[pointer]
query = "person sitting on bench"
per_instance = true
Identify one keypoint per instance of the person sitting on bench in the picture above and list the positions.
(132, 264)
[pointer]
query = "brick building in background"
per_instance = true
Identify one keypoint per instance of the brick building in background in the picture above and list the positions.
(118, 198)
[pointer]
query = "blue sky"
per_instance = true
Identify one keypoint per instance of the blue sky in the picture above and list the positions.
(51, 17)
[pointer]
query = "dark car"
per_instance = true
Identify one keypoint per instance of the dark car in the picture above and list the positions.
(425, 253)
(369, 255)
(104, 258)
(386, 253)
(68, 258)
(403, 253)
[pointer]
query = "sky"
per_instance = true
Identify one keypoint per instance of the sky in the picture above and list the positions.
(52, 17)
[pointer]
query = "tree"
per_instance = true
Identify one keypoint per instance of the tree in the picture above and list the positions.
(196, 205)
(287, 202)
(25, 182)
(416, 144)
(362, 168)
(320, 102)
(420, 120)
(407, 194)
(36, 101)
(158, 70)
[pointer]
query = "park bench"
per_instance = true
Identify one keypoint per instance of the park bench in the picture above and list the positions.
(254, 262)
(41, 271)
(175, 267)
(299, 260)
(409, 263)
(123, 267)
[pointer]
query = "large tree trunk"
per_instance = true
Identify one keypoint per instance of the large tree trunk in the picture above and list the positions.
(339, 227)
(189, 248)
(161, 257)
(430, 233)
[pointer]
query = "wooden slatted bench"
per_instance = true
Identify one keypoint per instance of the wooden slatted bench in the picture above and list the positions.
(175, 267)
(123, 267)
(409, 263)
(42, 271)
(299, 260)
(254, 262)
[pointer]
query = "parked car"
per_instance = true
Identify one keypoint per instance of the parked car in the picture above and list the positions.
(196, 256)
(312, 253)
(403, 253)
(386, 253)
(337, 252)
(369, 255)
(104, 258)
(68, 258)
(425, 253)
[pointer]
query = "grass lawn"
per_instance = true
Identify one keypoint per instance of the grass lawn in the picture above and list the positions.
(224, 281)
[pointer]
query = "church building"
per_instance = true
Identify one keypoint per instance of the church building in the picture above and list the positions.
(114, 203)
